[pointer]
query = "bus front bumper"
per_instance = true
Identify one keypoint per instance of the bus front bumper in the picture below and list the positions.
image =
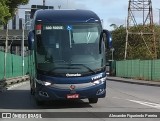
(50, 93)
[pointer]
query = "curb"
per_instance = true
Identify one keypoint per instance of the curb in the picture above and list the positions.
(19, 79)
(5, 83)
(13, 86)
(138, 82)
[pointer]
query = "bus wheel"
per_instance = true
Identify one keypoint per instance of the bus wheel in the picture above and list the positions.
(93, 100)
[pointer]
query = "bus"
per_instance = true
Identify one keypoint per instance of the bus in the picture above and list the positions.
(67, 56)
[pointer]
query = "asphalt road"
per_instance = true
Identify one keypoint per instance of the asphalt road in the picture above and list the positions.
(121, 97)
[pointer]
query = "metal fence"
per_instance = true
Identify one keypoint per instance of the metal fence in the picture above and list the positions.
(140, 69)
(13, 65)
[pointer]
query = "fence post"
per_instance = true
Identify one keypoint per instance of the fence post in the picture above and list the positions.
(152, 69)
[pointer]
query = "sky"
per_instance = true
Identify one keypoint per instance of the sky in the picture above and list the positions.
(110, 11)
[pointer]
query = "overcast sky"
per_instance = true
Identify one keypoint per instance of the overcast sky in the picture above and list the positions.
(111, 11)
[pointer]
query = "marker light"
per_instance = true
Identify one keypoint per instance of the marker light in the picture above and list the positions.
(38, 29)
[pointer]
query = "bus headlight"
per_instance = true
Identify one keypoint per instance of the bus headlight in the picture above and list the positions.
(45, 83)
(100, 81)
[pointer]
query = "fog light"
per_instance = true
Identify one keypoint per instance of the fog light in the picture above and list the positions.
(44, 94)
(100, 91)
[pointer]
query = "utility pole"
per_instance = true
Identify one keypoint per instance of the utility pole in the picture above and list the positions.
(142, 8)
(112, 50)
(5, 54)
(22, 45)
(22, 49)
(159, 15)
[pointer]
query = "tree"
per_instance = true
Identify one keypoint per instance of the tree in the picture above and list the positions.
(13, 5)
(114, 26)
(8, 9)
(136, 47)
(118, 37)
(4, 12)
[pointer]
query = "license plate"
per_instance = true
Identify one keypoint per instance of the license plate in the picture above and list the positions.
(72, 96)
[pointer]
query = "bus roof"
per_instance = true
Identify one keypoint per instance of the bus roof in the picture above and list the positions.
(61, 16)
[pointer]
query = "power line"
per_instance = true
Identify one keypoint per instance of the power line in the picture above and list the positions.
(142, 8)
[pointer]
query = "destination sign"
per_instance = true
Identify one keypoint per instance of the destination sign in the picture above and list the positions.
(49, 27)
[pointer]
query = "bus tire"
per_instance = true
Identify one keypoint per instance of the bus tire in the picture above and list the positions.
(93, 100)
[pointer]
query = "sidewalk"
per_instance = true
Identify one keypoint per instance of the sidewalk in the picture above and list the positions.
(134, 81)
(4, 83)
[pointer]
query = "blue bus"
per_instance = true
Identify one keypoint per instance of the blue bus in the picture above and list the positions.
(67, 55)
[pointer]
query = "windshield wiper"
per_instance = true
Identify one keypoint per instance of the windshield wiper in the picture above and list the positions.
(51, 70)
(59, 61)
(83, 66)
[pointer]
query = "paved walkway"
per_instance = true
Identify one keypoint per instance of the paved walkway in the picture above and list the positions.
(4, 83)
(134, 81)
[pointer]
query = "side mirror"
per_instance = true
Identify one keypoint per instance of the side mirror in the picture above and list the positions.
(107, 38)
(31, 40)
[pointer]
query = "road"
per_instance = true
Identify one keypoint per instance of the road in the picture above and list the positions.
(121, 97)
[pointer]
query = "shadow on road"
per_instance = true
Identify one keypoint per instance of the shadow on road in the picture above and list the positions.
(21, 99)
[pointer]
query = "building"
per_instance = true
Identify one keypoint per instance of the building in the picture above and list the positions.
(10, 25)
(21, 23)
(27, 19)
(15, 22)
(15, 26)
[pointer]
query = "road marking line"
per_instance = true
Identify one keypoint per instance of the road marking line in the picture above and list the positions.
(153, 105)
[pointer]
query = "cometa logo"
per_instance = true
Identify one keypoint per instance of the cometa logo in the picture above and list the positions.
(68, 75)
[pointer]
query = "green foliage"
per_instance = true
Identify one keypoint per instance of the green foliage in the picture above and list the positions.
(13, 5)
(137, 48)
(119, 35)
(157, 34)
(8, 9)
(4, 12)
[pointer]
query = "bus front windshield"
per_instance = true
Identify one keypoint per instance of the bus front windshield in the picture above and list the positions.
(63, 49)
